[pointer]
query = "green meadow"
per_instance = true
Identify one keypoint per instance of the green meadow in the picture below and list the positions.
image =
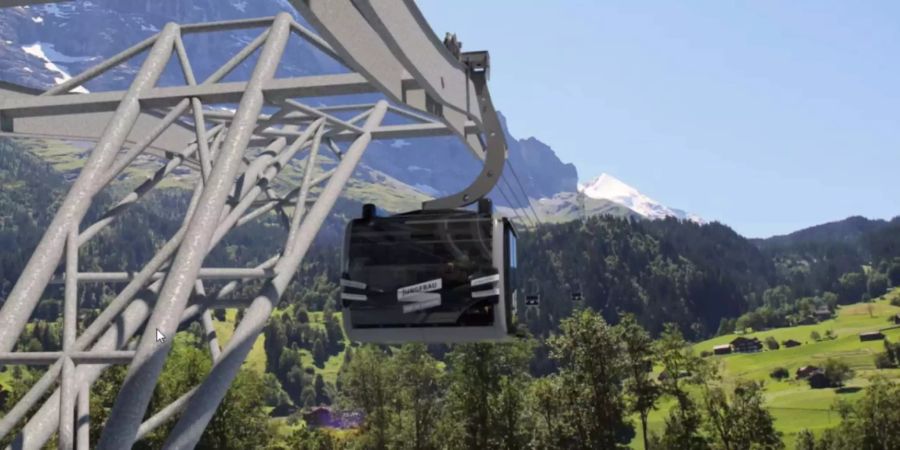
(794, 405)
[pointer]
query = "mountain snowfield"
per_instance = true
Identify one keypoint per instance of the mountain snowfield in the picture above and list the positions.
(610, 188)
(50, 58)
(605, 195)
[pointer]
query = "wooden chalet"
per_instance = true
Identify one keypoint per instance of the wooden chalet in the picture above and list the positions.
(871, 336)
(742, 344)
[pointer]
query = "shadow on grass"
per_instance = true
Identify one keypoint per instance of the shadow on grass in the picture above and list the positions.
(848, 389)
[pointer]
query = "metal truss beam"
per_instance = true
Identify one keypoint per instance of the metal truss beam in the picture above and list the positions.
(237, 156)
(12, 3)
(165, 97)
(385, 41)
(131, 404)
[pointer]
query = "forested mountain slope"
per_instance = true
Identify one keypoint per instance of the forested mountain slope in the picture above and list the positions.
(662, 271)
(692, 274)
(699, 276)
(30, 193)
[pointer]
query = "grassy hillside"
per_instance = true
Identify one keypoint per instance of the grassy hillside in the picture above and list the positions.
(257, 357)
(256, 360)
(793, 403)
(333, 365)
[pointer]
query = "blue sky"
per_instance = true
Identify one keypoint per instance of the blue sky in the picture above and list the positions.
(767, 116)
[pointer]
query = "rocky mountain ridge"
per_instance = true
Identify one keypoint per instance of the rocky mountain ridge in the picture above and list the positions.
(46, 44)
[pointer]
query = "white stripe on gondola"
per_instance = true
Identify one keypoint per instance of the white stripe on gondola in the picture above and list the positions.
(422, 297)
(482, 294)
(352, 284)
(485, 280)
(413, 307)
(353, 297)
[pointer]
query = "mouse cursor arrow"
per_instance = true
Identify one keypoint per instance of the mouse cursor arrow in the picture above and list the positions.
(160, 337)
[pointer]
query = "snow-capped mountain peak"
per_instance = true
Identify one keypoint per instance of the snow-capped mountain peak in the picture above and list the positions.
(608, 187)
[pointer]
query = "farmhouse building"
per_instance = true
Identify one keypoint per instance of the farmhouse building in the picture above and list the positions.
(746, 345)
(318, 417)
(323, 416)
(897, 319)
(790, 343)
(723, 349)
(807, 320)
(822, 313)
(871, 336)
(806, 371)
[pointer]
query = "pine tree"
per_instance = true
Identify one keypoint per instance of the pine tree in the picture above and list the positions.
(739, 419)
(680, 369)
(368, 384)
(319, 388)
(479, 376)
(275, 341)
(805, 440)
(593, 372)
(419, 388)
(642, 390)
(318, 351)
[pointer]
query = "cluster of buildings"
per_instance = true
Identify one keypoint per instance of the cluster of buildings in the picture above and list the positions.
(743, 344)
(739, 344)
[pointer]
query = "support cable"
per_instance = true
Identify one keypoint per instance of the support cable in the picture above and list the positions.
(524, 192)
(519, 217)
(519, 204)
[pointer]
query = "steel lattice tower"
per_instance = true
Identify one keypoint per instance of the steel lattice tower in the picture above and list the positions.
(388, 48)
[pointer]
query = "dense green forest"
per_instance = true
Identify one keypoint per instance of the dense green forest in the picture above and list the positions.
(580, 379)
(706, 278)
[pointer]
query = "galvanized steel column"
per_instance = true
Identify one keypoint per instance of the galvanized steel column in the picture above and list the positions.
(83, 418)
(203, 404)
(131, 404)
(67, 388)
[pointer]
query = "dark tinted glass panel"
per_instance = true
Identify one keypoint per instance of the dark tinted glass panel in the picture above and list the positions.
(391, 253)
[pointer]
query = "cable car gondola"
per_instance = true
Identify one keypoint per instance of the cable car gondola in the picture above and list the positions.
(577, 296)
(429, 276)
(533, 297)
